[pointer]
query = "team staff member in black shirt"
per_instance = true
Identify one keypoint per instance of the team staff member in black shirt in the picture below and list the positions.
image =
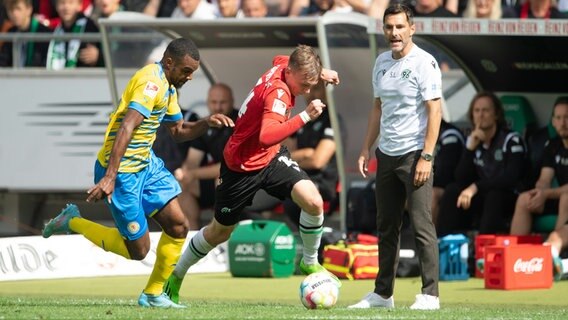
(484, 194)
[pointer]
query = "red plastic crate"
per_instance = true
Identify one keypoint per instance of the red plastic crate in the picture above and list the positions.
(523, 266)
(484, 240)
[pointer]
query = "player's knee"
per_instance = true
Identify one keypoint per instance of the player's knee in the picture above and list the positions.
(313, 203)
(180, 229)
(138, 254)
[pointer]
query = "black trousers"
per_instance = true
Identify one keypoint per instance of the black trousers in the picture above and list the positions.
(490, 211)
(395, 188)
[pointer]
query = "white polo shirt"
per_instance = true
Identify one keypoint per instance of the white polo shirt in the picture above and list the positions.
(403, 86)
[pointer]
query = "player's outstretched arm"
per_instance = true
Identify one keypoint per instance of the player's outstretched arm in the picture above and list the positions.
(185, 130)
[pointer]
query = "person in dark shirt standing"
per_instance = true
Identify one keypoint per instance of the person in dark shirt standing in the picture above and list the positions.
(491, 168)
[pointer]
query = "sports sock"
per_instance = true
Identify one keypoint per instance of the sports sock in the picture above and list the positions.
(197, 248)
(167, 254)
(109, 239)
(311, 228)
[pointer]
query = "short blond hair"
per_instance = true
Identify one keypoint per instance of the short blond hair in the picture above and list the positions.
(306, 60)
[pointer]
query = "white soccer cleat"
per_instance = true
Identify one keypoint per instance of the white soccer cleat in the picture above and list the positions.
(373, 300)
(425, 302)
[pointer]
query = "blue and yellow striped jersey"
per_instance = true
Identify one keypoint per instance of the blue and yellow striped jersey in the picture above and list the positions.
(149, 93)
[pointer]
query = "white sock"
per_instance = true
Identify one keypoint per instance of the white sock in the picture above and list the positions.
(564, 265)
(311, 228)
(197, 248)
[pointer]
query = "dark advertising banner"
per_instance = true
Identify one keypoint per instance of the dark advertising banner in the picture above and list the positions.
(511, 63)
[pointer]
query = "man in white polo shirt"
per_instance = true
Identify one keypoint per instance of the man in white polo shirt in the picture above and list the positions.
(406, 115)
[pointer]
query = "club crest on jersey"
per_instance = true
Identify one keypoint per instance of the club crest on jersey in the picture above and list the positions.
(406, 73)
(133, 227)
(498, 155)
(151, 89)
(279, 107)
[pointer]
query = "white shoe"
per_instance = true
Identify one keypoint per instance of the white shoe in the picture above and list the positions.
(373, 300)
(426, 302)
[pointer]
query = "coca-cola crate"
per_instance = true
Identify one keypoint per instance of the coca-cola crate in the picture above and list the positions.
(484, 240)
(523, 266)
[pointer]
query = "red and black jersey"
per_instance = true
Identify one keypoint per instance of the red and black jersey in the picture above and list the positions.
(263, 122)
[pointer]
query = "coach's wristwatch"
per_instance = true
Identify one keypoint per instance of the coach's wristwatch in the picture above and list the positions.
(427, 156)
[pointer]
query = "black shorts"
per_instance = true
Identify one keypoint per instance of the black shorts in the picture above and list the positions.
(206, 193)
(237, 189)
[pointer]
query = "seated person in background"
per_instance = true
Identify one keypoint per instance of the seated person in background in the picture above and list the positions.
(73, 53)
(449, 148)
(545, 198)
(490, 169)
(166, 148)
(313, 149)
(200, 169)
(32, 53)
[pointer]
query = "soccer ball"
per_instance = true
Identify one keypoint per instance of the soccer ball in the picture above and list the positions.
(319, 291)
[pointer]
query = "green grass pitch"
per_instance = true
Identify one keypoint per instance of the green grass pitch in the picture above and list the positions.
(220, 296)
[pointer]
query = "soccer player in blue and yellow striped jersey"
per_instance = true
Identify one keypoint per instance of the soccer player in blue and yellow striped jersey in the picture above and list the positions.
(133, 181)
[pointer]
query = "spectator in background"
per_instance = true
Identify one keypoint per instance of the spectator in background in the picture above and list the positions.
(192, 9)
(31, 53)
(200, 169)
(46, 11)
(319, 7)
(483, 9)
(278, 8)
(153, 8)
(537, 9)
(431, 9)
(377, 8)
(488, 174)
(5, 23)
(545, 198)
(106, 8)
(73, 53)
(254, 8)
(434, 9)
(228, 8)
(449, 148)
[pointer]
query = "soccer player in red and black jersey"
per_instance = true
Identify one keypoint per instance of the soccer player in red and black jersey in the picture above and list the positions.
(253, 159)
